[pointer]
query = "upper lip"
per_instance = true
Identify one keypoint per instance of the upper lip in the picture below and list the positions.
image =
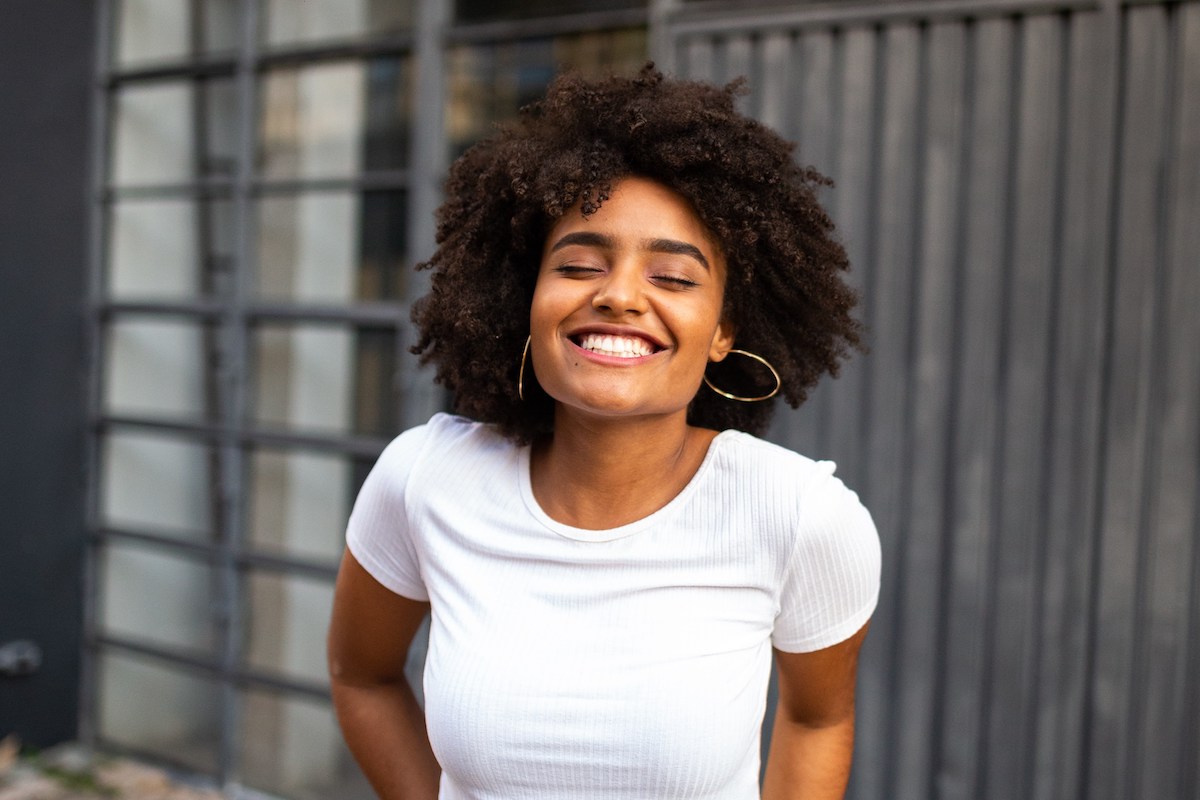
(615, 330)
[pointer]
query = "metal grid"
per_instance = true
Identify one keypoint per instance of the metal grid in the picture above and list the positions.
(229, 314)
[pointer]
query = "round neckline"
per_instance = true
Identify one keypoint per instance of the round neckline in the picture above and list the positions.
(621, 531)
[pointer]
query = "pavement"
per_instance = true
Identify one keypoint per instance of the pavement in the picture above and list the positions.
(72, 772)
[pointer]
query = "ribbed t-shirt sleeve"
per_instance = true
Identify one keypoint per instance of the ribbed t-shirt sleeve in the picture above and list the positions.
(379, 534)
(831, 585)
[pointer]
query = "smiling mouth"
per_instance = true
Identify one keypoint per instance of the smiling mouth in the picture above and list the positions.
(614, 346)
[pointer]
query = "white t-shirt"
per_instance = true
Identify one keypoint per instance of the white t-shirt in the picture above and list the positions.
(615, 664)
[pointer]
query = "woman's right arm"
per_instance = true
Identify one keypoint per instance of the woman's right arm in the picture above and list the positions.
(369, 636)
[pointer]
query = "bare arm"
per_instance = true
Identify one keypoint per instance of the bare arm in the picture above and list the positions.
(369, 636)
(813, 738)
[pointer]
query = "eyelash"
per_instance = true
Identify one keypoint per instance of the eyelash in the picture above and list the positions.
(575, 269)
(682, 282)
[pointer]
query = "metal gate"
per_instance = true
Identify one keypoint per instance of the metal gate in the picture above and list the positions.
(1018, 184)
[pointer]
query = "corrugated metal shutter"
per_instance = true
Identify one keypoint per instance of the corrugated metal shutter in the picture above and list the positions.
(1019, 188)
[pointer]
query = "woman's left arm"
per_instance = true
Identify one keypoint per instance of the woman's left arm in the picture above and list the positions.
(813, 739)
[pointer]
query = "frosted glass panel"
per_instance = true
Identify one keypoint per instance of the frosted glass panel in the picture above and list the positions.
(332, 247)
(312, 121)
(286, 619)
(290, 747)
(151, 30)
(158, 709)
(169, 248)
(299, 502)
(162, 30)
(222, 25)
(307, 246)
(305, 377)
(154, 482)
(335, 119)
(152, 249)
(157, 597)
(325, 378)
(153, 134)
(155, 128)
(290, 22)
(154, 367)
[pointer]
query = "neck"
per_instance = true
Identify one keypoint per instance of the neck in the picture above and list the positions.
(599, 473)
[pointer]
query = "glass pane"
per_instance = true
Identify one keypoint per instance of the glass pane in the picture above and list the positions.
(221, 25)
(332, 247)
(158, 483)
(335, 119)
(155, 367)
(291, 747)
(488, 83)
(325, 378)
(169, 248)
(153, 30)
(157, 598)
(389, 113)
(288, 22)
(477, 10)
(299, 502)
(160, 710)
(170, 132)
(286, 619)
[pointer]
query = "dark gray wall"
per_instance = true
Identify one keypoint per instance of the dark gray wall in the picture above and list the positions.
(45, 69)
(1019, 189)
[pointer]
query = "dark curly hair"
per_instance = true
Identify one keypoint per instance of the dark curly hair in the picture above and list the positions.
(785, 291)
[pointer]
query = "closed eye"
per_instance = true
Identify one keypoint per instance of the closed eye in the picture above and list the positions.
(576, 270)
(676, 281)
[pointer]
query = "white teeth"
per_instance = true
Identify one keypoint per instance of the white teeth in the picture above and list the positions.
(619, 346)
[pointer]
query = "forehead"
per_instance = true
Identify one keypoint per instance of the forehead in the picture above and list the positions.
(640, 209)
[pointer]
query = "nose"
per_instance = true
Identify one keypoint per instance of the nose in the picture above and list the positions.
(621, 291)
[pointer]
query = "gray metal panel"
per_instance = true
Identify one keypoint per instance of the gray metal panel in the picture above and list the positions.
(1177, 702)
(797, 90)
(1013, 184)
(858, 86)
(1075, 420)
(1128, 425)
(976, 435)
(1173, 469)
(886, 490)
(773, 89)
(934, 372)
(1025, 368)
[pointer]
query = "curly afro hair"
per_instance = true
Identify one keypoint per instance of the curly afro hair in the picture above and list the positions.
(785, 291)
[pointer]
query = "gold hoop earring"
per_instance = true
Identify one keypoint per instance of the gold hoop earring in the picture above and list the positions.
(765, 363)
(521, 373)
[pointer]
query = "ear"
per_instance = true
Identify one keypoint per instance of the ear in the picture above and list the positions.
(722, 341)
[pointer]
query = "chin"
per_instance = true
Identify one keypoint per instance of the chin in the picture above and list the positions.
(616, 408)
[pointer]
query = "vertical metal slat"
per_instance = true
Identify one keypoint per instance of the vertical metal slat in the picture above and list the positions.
(235, 380)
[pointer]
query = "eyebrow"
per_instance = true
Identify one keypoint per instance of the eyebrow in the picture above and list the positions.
(669, 246)
(676, 247)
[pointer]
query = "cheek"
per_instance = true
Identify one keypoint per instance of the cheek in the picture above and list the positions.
(540, 310)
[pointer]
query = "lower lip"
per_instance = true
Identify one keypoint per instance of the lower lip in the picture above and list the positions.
(616, 361)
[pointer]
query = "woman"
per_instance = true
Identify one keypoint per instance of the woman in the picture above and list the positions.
(625, 277)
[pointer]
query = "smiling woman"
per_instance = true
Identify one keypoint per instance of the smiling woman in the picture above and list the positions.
(785, 288)
(627, 308)
(611, 560)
